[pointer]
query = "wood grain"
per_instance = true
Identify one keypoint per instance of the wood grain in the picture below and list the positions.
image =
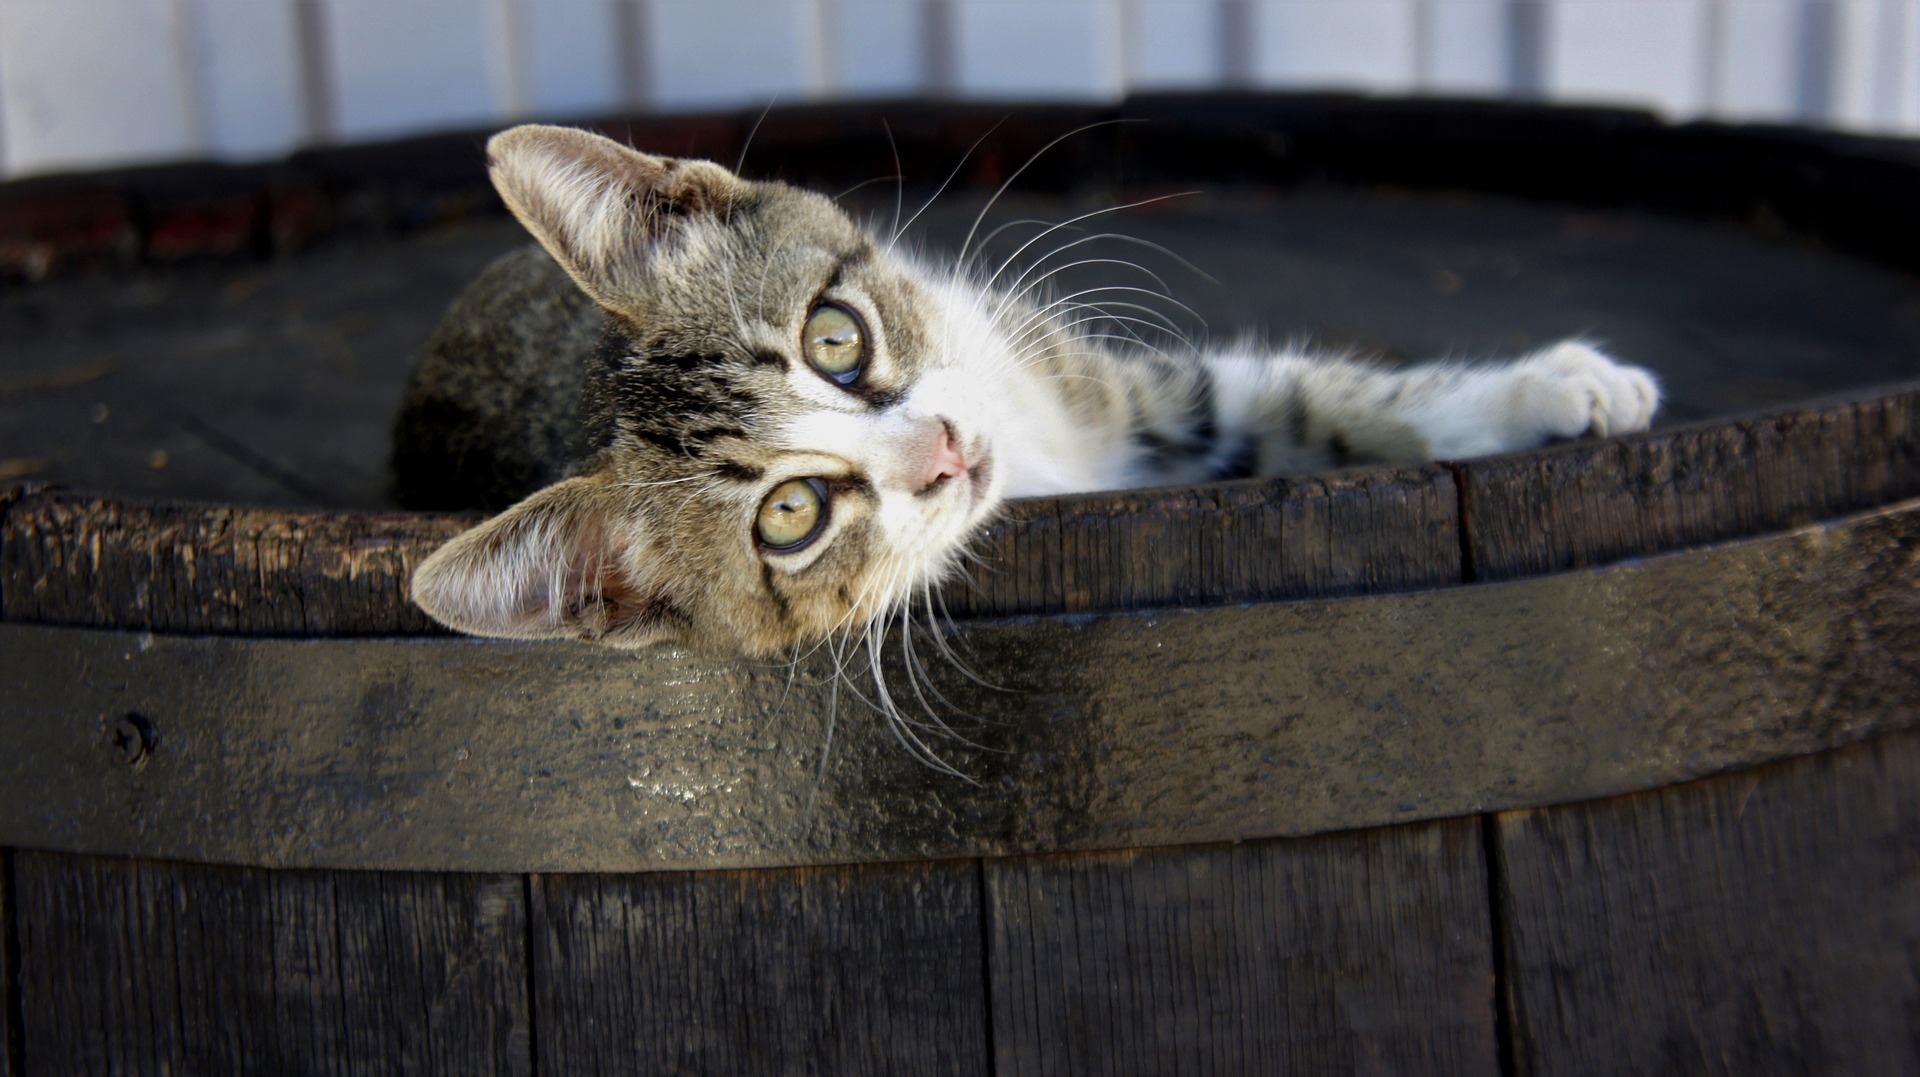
(1595, 502)
(1365, 952)
(140, 967)
(1763, 922)
(69, 559)
(843, 971)
(9, 988)
(1307, 537)
(76, 560)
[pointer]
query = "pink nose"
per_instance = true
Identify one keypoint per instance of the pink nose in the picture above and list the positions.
(948, 461)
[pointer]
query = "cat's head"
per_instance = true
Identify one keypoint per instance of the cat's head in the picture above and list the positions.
(792, 424)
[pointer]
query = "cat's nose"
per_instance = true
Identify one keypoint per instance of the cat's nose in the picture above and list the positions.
(947, 462)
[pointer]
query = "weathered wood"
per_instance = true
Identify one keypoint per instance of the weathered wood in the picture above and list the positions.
(9, 988)
(1323, 536)
(1104, 731)
(76, 560)
(1351, 953)
(73, 560)
(1763, 922)
(141, 967)
(871, 970)
(1595, 502)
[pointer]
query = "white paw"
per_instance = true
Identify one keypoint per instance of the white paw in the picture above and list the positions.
(1570, 390)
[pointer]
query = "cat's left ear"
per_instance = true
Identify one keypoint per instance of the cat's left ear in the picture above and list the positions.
(566, 563)
(601, 208)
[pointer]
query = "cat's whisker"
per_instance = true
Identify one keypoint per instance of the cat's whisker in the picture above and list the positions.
(1025, 284)
(1121, 237)
(1035, 285)
(902, 615)
(1090, 314)
(912, 658)
(1161, 249)
(1073, 221)
(628, 484)
(1022, 297)
(1061, 318)
(901, 726)
(1104, 310)
(1047, 316)
(741, 161)
(958, 165)
(826, 752)
(953, 659)
(1016, 174)
(733, 298)
(987, 240)
(865, 183)
(899, 175)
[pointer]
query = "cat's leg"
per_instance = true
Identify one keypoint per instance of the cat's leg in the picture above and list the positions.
(1307, 413)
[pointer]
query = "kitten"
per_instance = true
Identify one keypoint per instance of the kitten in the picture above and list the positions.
(746, 424)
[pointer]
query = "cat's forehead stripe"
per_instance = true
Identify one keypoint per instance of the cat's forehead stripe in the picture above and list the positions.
(858, 256)
(738, 471)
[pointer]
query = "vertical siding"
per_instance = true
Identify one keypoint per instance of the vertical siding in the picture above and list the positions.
(1173, 44)
(570, 57)
(708, 53)
(87, 83)
(1903, 91)
(245, 54)
(876, 48)
(1347, 44)
(1758, 49)
(1644, 52)
(1464, 47)
(405, 67)
(1067, 49)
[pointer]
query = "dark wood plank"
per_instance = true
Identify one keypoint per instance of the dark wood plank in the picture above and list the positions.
(145, 967)
(76, 560)
(1309, 537)
(1595, 502)
(9, 970)
(1104, 731)
(842, 971)
(1366, 952)
(1761, 922)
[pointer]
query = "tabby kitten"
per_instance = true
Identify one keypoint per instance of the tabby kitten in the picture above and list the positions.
(746, 424)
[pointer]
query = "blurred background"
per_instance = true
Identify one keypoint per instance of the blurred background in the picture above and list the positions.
(97, 83)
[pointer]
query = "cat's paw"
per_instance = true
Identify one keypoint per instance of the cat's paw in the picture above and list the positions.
(1571, 390)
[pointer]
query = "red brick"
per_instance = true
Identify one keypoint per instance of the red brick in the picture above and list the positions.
(297, 213)
(223, 227)
(43, 231)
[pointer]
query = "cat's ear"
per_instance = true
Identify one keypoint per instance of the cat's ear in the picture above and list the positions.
(563, 564)
(598, 207)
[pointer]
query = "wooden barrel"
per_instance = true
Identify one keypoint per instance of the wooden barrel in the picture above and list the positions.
(1596, 759)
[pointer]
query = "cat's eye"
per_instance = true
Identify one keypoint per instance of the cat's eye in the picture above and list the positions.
(792, 514)
(833, 342)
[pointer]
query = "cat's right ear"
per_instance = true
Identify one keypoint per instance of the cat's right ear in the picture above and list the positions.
(566, 563)
(599, 207)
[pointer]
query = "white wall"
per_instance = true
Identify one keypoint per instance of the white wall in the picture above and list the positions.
(90, 83)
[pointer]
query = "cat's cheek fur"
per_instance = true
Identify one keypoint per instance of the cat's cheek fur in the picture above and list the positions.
(992, 385)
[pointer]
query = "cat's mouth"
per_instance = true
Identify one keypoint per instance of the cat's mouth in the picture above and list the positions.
(981, 474)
